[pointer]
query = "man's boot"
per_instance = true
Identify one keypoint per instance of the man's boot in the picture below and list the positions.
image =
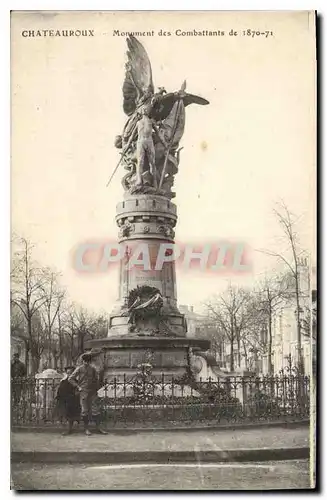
(69, 430)
(97, 426)
(86, 426)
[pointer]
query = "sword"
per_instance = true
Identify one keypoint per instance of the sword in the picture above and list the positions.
(122, 154)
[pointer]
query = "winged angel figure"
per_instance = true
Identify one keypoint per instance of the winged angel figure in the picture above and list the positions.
(150, 139)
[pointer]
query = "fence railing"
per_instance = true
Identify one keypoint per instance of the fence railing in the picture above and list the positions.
(140, 399)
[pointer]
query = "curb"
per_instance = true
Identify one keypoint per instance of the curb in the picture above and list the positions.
(160, 457)
(122, 430)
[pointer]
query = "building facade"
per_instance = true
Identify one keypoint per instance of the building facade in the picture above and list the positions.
(285, 342)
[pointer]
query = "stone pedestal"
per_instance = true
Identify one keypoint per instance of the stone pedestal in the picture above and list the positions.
(122, 356)
(146, 221)
(148, 335)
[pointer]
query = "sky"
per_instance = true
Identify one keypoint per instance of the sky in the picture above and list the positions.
(251, 147)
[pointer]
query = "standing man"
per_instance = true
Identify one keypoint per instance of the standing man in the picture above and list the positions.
(18, 371)
(85, 379)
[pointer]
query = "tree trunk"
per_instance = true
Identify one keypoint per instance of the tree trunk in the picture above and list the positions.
(298, 324)
(232, 345)
(81, 336)
(55, 362)
(27, 356)
(232, 356)
(71, 349)
(34, 360)
(239, 352)
(220, 352)
(49, 355)
(270, 370)
(245, 356)
(60, 352)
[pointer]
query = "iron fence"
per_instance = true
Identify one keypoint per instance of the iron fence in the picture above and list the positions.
(140, 399)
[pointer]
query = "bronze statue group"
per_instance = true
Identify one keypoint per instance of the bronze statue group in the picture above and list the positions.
(149, 143)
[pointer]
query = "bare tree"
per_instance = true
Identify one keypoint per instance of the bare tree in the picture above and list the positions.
(27, 281)
(88, 326)
(68, 329)
(51, 306)
(83, 323)
(79, 325)
(17, 320)
(62, 318)
(273, 293)
(53, 326)
(99, 326)
(17, 327)
(209, 330)
(252, 338)
(287, 222)
(229, 313)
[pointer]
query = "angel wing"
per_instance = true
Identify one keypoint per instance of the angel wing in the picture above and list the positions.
(138, 75)
(163, 106)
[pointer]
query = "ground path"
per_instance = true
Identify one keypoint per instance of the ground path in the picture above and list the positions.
(253, 476)
(204, 439)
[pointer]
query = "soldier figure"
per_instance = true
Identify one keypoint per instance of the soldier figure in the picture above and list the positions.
(145, 147)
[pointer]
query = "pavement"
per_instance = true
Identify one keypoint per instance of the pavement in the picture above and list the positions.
(168, 477)
(203, 445)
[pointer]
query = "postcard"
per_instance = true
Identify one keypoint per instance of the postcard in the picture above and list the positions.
(163, 275)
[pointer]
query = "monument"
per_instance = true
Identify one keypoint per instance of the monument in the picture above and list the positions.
(146, 325)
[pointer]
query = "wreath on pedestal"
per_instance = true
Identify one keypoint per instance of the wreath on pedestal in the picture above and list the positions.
(145, 301)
